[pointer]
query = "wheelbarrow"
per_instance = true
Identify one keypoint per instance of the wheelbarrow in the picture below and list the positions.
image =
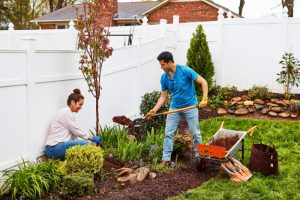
(222, 147)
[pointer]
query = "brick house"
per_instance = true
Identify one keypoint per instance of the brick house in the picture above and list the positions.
(131, 13)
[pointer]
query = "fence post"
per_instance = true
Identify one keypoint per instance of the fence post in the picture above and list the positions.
(285, 29)
(136, 80)
(73, 35)
(219, 64)
(144, 28)
(28, 44)
(175, 29)
(10, 35)
(162, 32)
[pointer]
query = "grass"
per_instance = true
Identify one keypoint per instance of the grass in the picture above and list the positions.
(284, 135)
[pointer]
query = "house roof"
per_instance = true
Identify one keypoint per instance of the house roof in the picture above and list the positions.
(126, 10)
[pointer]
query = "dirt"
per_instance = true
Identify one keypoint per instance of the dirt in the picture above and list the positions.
(226, 142)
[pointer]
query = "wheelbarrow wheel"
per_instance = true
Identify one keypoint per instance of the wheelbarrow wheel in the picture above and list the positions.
(200, 164)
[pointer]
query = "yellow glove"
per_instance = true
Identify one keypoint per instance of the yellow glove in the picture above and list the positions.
(203, 102)
(150, 114)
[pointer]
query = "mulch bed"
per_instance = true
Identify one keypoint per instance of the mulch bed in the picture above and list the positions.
(164, 185)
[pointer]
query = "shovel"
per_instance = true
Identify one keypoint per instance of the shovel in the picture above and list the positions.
(142, 119)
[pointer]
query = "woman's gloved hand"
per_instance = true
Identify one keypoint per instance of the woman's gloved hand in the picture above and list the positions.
(96, 139)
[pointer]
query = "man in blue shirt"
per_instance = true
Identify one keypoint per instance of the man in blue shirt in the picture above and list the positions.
(179, 80)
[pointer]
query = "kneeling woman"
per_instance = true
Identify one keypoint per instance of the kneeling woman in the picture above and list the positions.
(64, 132)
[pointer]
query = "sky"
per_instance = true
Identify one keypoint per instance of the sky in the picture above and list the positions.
(254, 8)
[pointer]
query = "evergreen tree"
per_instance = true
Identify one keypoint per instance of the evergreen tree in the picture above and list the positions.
(199, 57)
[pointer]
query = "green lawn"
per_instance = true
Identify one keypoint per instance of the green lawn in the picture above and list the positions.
(285, 137)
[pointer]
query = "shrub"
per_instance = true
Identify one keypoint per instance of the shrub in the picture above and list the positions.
(78, 184)
(199, 57)
(257, 92)
(182, 144)
(111, 136)
(218, 94)
(290, 74)
(148, 102)
(30, 180)
(86, 158)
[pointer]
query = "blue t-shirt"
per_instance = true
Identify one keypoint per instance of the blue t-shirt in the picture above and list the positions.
(181, 87)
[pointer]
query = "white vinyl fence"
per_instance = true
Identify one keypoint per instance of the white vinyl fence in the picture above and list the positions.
(39, 69)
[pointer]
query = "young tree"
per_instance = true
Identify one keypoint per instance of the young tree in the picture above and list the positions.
(199, 57)
(290, 74)
(94, 42)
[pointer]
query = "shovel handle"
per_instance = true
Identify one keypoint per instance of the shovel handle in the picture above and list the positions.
(250, 131)
(176, 110)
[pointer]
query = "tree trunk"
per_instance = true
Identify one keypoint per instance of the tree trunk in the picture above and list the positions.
(60, 4)
(97, 114)
(51, 2)
(242, 3)
(290, 6)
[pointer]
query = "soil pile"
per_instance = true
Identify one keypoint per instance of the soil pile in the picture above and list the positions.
(226, 142)
(123, 120)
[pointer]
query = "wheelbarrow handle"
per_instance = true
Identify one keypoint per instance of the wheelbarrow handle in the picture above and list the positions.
(176, 110)
(250, 131)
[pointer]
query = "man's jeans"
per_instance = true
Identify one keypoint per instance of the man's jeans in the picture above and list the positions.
(171, 126)
(59, 150)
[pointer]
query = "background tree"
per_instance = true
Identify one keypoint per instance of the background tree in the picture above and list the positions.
(290, 6)
(57, 4)
(242, 3)
(19, 13)
(4, 10)
(94, 42)
(199, 57)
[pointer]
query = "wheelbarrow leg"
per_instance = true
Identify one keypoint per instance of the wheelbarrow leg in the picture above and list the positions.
(243, 148)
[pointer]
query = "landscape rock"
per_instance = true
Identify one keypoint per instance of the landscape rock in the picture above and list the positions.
(264, 110)
(258, 106)
(222, 111)
(248, 103)
(294, 101)
(242, 111)
(240, 106)
(274, 100)
(231, 111)
(236, 99)
(245, 98)
(273, 114)
(251, 110)
(276, 109)
(284, 114)
(259, 101)
(272, 104)
(294, 115)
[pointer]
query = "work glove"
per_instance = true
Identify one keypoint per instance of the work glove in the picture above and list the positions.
(150, 114)
(96, 139)
(203, 102)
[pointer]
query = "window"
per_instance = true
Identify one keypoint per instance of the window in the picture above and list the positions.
(60, 26)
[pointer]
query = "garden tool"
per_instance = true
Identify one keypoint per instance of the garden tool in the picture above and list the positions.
(170, 112)
(236, 170)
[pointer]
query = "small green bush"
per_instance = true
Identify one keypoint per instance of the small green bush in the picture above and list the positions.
(182, 144)
(86, 158)
(30, 180)
(148, 102)
(218, 94)
(78, 184)
(259, 92)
